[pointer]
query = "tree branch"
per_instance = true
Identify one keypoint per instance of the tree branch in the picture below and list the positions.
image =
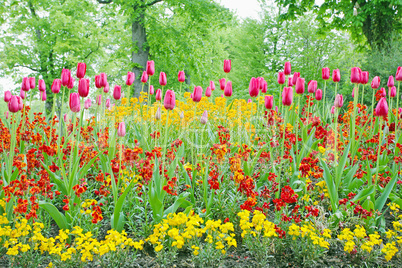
(92, 51)
(23, 66)
(153, 2)
(105, 1)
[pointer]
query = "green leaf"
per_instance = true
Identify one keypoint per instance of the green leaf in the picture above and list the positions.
(57, 216)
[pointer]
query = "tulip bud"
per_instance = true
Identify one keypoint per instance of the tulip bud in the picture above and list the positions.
(83, 88)
(227, 66)
(392, 92)
(162, 79)
(383, 92)
(382, 108)
(87, 104)
(65, 77)
(150, 68)
(269, 102)
(212, 85)
(56, 86)
(228, 89)
(390, 81)
(26, 85)
(355, 75)
(338, 101)
(222, 83)
(81, 70)
(158, 95)
(41, 85)
(325, 73)
(99, 100)
(144, 77)
(13, 104)
(204, 118)
(197, 94)
(281, 78)
(318, 94)
(130, 78)
(287, 96)
(65, 117)
(398, 76)
(103, 80)
(7, 96)
(261, 81)
(333, 110)
(117, 92)
(74, 102)
(181, 76)
(294, 78)
(71, 83)
(6, 114)
(290, 84)
(276, 109)
(336, 75)
(170, 100)
(32, 82)
(312, 86)
(97, 81)
(158, 114)
(42, 95)
(364, 78)
(22, 94)
(249, 101)
(151, 90)
(106, 88)
(264, 87)
(253, 87)
(288, 68)
(300, 85)
(121, 131)
(376, 82)
(208, 92)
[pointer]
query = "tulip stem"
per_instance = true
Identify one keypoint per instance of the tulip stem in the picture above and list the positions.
(258, 109)
(372, 109)
(362, 95)
(378, 156)
(281, 156)
(296, 125)
(165, 144)
(61, 114)
(72, 146)
(353, 126)
(397, 109)
(323, 98)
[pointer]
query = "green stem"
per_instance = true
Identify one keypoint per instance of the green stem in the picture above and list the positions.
(165, 142)
(72, 147)
(282, 152)
(61, 114)
(378, 156)
(323, 98)
(362, 95)
(353, 123)
(397, 108)
(296, 125)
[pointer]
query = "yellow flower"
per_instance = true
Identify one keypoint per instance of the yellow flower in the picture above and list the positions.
(321, 149)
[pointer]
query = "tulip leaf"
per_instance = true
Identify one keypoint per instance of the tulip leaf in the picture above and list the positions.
(57, 216)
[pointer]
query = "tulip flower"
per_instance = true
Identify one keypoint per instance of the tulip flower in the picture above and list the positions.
(391, 82)
(158, 114)
(382, 108)
(56, 86)
(318, 94)
(288, 68)
(83, 88)
(398, 76)
(208, 92)
(97, 81)
(253, 87)
(197, 94)
(106, 88)
(81, 70)
(42, 95)
(121, 131)
(32, 82)
(117, 92)
(107, 103)
(103, 80)
(338, 101)
(336, 75)
(99, 100)
(294, 78)
(7, 96)
(181, 76)
(287, 96)
(325, 73)
(151, 90)
(261, 81)
(144, 77)
(312, 86)
(87, 104)
(13, 104)
(74, 102)
(364, 78)
(276, 109)
(130, 78)
(300, 85)
(333, 110)
(20, 103)
(71, 83)
(290, 84)
(228, 89)
(6, 114)
(212, 85)
(383, 92)
(222, 83)
(269, 102)
(392, 92)
(264, 87)
(249, 101)
(162, 79)
(355, 75)
(158, 95)
(227, 66)
(65, 117)
(376, 82)
(65, 77)
(281, 78)
(26, 85)
(222, 96)
(22, 94)
(170, 100)
(41, 85)
(150, 68)
(204, 118)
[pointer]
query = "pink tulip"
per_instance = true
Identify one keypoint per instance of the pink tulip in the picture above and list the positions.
(228, 89)
(336, 75)
(144, 77)
(253, 87)
(107, 103)
(391, 82)
(276, 109)
(312, 86)
(338, 101)
(333, 110)
(212, 85)
(151, 90)
(162, 79)
(204, 118)
(97, 81)
(181, 76)
(222, 96)
(130, 78)
(65, 77)
(6, 114)
(99, 100)
(382, 108)
(71, 83)
(7, 96)
(158, 114)
(398, 76)
(150, 68)
(325, 73)
(364, 78)
(353, 93)
(376, 82)
(383, 92)
(74, 102)
(281, 78)
(318, 94)
(106, 88)
(42, 95)
(227, 66)
(208, 92)
(287, 96)
(81, 70)
(20, 103)
(261, 81)
(83, 88)
(13, 104)
(294, 78)
(290, 79)
(222, 83)
(288, 68)
(269, 102)
(392, 92)
(32, 82)
(65, 117)
(170, 100)
(264, 87)
(87, 104)
(22, 94)
(103, 80)
(121, 131)
(117, 92)
(355, 75)
(197, 94)
(158, 95)
(300, 85)
(26, 85)
(249, 101)
(41, 85)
